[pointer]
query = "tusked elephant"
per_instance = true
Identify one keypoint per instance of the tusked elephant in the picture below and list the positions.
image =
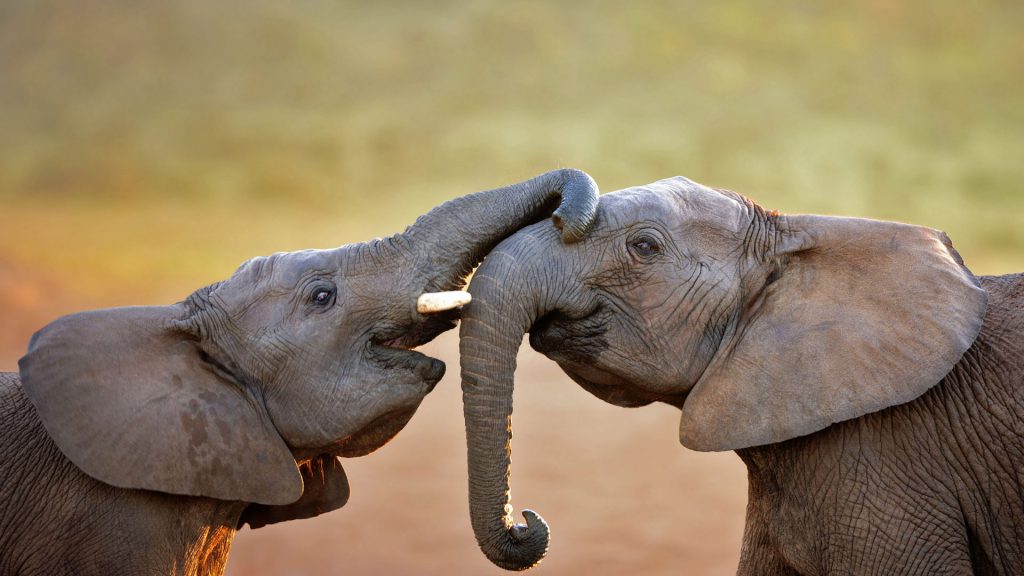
(138, 440)
(871, 384)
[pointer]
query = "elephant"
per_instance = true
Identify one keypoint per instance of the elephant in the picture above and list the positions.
(871, 384)
(137, 440)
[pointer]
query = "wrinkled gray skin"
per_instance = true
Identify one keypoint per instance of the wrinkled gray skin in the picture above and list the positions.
(873, 387)
(137, 440)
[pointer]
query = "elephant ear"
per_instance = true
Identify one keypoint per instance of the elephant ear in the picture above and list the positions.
(324, 488)
(130, 398)
(861, 315)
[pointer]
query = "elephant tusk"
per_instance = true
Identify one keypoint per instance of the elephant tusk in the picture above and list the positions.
(432, 302)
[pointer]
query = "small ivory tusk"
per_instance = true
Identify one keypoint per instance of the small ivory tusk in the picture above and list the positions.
(432, 302)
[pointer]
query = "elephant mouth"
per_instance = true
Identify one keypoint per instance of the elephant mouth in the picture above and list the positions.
(393, 348)
(577, 345)
(577, 340)
(395, 357)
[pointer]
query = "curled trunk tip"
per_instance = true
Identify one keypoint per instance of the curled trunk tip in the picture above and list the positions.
(578, 210)
(523, 546)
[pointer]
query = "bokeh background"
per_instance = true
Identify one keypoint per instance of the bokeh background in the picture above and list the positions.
(148, 148)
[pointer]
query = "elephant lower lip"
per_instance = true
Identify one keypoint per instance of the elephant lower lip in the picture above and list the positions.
(428, 370)
(434, 372)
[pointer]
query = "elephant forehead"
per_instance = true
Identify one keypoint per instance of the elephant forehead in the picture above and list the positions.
(283, 272)
(673, 201)
(286, 269)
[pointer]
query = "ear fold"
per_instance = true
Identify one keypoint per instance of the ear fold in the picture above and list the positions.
(863, 315)
(325, 488)
(127, 396)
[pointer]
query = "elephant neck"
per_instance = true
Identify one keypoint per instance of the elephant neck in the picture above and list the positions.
(54, 517)
(771, 467)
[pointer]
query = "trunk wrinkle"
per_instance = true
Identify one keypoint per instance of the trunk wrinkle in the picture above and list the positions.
(508, 297)
(465, 229)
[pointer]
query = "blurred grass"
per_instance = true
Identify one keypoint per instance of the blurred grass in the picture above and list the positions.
(154, 146)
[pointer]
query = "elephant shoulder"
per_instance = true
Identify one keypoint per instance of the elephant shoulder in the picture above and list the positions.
(30, 463)
(48, 505)
(991, 369)
(1005, 316)
(25, 446)
(22, 434)
(10, 394)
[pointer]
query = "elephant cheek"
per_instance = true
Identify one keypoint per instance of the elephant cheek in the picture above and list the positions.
(607, 386)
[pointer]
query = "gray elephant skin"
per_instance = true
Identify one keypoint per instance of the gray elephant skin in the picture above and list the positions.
(871, 384)
(138, 440)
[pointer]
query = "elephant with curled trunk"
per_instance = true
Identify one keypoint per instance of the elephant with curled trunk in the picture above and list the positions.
(871, 384)
(138, 440)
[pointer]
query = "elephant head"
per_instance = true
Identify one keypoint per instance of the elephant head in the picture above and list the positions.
(251, 386)
(759, 327)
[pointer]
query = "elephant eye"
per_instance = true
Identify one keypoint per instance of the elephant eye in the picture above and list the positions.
(645, 246)
(322, 297)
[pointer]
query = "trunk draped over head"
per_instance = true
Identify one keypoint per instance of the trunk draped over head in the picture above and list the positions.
(506, 301)
(447, 243)
(462, 231)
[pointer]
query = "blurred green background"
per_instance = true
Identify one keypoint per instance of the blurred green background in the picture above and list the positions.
(147, 148)
(217, 130)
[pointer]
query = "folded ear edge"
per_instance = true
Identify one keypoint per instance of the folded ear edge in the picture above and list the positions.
(325, 488)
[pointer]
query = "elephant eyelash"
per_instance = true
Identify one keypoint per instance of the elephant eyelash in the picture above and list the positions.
(321, 296)
(645, 246)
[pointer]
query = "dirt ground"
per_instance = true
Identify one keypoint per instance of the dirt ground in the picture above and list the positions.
(620, 493)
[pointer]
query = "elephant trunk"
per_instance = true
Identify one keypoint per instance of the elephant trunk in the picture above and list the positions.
(455, 236)
(507, 299)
